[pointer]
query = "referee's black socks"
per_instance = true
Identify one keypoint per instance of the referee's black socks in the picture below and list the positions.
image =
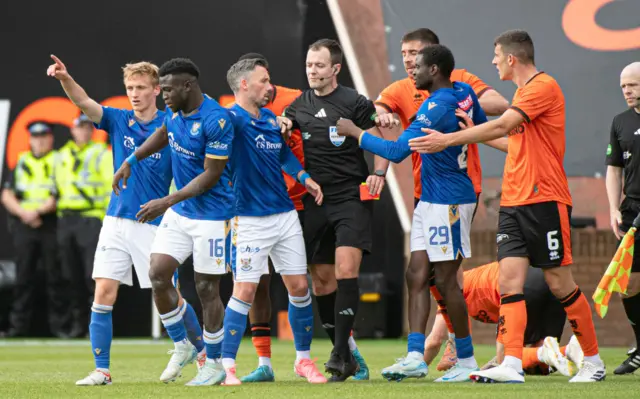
(326, 311)
(632, 307)
(346, 309)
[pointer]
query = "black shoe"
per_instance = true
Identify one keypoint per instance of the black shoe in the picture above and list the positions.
(340, 369)
(631, 364)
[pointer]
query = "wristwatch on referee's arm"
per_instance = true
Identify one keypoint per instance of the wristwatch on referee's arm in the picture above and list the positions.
(380, 173)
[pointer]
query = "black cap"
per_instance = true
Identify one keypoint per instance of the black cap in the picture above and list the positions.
(39, 129)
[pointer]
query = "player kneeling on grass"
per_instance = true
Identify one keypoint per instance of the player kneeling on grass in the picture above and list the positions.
(442, 219)
(266, 223)
(545, 322)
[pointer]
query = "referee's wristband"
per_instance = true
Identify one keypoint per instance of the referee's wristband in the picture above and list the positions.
(132, 160)
(303, 178)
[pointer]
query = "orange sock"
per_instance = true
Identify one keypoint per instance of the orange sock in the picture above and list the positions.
(442, 308)
(261, 338)
(579, 316)
(512, 323)
(530, 358)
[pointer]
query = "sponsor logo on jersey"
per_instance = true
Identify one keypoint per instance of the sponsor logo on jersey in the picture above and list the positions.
(466, 104)
(334, 137)
(264, 144)
(216, 145)
(422, 118)
(177, 147)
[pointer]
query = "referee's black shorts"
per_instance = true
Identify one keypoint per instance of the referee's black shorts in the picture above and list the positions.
(545, 314)
(629, 210)
(331, 225)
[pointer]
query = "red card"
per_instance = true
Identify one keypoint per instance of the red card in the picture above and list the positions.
(365, 195)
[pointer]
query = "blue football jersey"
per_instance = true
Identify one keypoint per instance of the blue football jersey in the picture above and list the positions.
(444, 174)
(207, 133)
(256, 163)
(150, 178)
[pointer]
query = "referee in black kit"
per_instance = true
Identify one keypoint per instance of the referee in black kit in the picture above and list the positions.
(338, 232)
(623, 155)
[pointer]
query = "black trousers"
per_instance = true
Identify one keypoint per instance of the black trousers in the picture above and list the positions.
(77, 241)
(35, 253)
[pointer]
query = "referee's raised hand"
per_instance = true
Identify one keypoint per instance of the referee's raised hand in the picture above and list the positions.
(285, 127)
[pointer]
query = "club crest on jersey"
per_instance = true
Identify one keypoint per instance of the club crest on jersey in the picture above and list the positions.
(131, 122)
(272, 122)
(334, 137)
(195, 128)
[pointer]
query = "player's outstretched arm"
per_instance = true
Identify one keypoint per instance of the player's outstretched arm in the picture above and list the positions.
(500, 144)
(154, 143)
(74, 91)
(393, 151)
(213, 168)
(493, 103)
(435, 141)
(292, 167)
(436, 338)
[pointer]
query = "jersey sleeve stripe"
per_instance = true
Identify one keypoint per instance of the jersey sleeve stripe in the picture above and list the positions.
(217, 156)
(481, 92)
(521, 112)
(385, 106)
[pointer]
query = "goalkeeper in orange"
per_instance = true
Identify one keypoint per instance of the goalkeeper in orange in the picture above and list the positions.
(545, 321)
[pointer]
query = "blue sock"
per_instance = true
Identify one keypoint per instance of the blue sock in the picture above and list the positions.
(191, 323)
(174, 325)
(235, 322)
(101, 334)
(464, 347)
(301, 321)
(213, 343)
(416, 343)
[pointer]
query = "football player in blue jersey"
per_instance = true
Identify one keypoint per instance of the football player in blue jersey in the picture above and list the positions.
(266, 223)
(123, 241)
(199, 133)
(442, 220)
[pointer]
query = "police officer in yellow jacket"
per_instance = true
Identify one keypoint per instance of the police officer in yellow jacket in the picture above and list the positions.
(83, 174)
(29, 197)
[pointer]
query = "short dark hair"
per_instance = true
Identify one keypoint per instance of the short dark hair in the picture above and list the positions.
(257, 56)
(439, 55)
(423, 35)
(334, 49)
(240, 69)
(517, 43)
(179, 65)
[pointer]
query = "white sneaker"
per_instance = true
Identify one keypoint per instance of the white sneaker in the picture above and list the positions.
(552, 356)
(500, 374)
(201, 359)
(574, 352)
(590, 372)
(182, 355)
(212, 373)
(457, 373)
(96, 377)
(406, 367)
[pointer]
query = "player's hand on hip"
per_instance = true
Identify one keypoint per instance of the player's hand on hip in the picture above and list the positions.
(616, 221)
(152, 210)
(346, 127)
(375, 184)
(123, 174)
(433, 142)
(387, 120)
(57, 69)
(314, 189)
(285, 126)
(466, 122)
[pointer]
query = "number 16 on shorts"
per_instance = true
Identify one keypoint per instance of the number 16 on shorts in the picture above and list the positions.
(442, 230)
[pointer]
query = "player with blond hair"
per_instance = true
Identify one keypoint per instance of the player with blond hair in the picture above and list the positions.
(123, 241)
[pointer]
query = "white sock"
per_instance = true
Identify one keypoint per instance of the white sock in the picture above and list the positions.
(513, 362)
(595, 359)
(468, 363)
(303, 355)
(415, 355)
(352, 344)
(213, 361)
(540, 349)
(106, 371)
(181, 344)
(264, 361)
(227, 363)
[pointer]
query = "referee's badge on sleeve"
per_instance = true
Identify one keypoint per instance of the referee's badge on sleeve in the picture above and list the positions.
(334, 137)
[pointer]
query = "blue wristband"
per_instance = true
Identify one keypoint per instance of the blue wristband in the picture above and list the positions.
(132, 160)
(304, 177)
